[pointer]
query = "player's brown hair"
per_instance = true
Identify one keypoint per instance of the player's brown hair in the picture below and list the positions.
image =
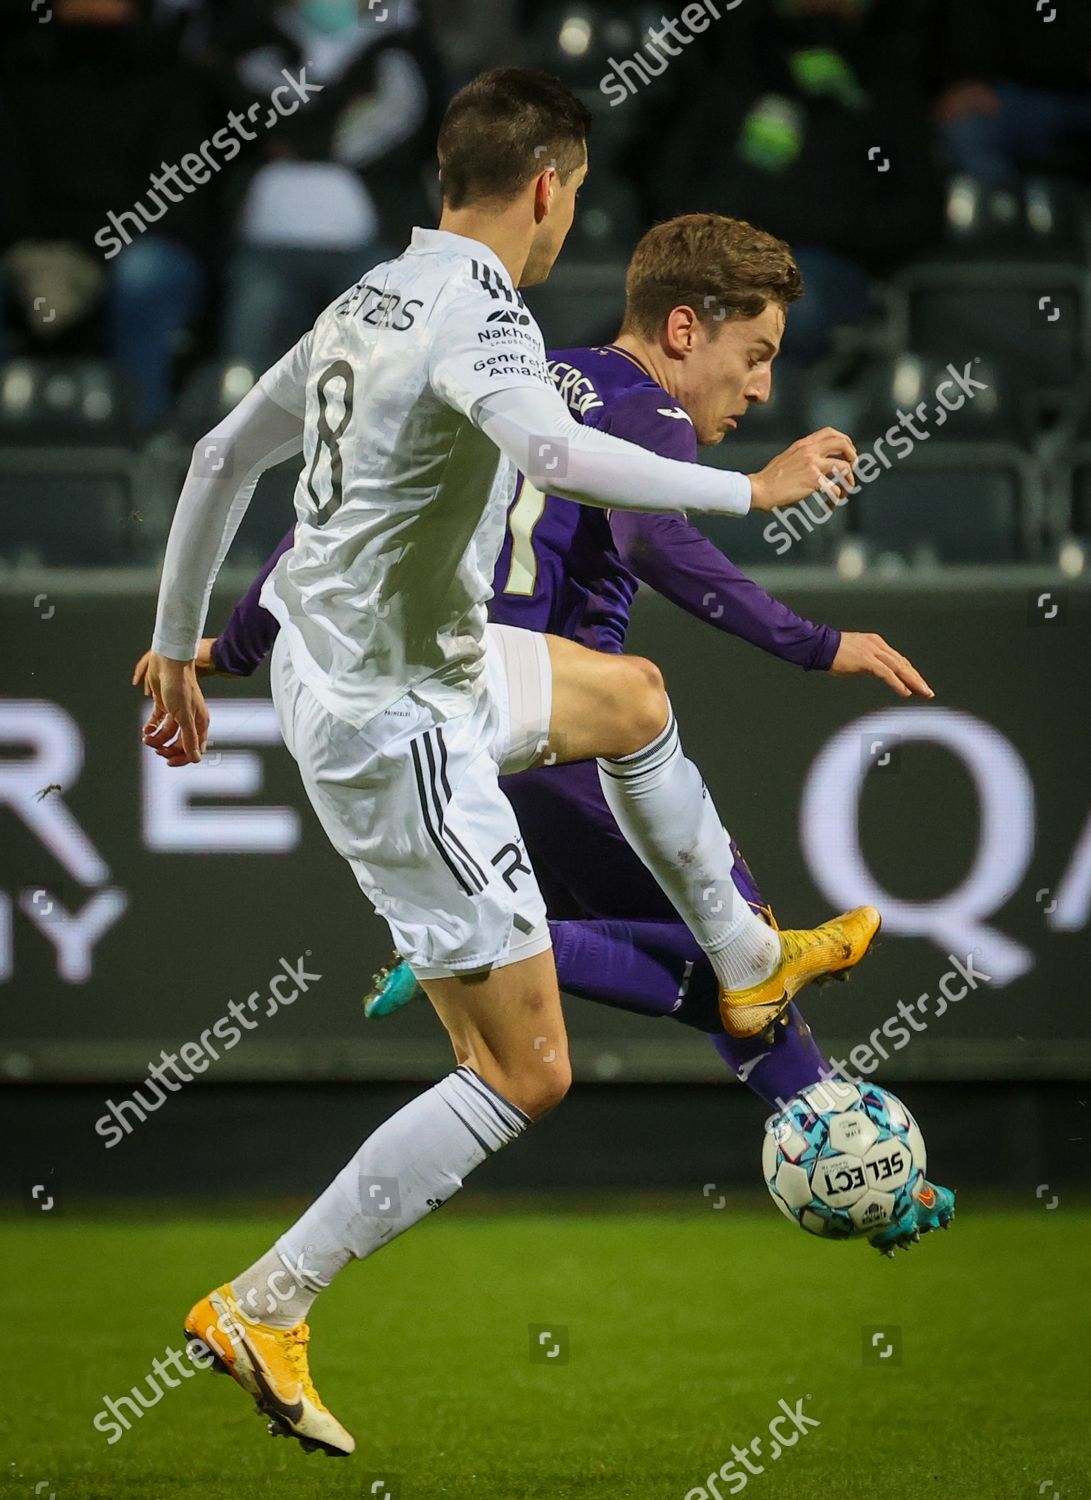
(724, 269)
(502, 129)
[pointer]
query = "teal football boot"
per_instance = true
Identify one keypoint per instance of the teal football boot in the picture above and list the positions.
(392, 987)
(927, 1206)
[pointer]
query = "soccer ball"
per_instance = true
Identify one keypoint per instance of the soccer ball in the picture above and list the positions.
(842, 1160)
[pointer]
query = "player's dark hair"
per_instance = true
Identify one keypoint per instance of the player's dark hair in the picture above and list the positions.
(502, 129)
(724, 269)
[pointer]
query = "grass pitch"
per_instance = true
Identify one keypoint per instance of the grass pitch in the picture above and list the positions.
(684, 1330)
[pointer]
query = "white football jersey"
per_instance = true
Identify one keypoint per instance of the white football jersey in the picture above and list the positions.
(402, 501)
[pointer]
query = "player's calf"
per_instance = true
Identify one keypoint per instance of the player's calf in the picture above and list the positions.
(507, 1026)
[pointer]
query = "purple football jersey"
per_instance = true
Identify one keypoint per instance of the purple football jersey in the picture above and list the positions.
(571, 579)
(573, 571)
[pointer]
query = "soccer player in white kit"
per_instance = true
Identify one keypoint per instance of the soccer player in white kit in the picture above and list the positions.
(418, 394)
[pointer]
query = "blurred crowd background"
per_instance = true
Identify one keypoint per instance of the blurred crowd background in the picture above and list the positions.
(927, 160)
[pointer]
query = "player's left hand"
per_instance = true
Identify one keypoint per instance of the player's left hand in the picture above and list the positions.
(177, 727)
(871, 654)
(203, 665)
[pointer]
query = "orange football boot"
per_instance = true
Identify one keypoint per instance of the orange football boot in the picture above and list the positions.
(806, 955)
(271, 1366)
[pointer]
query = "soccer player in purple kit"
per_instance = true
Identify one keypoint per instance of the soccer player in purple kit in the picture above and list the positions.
(707, 299)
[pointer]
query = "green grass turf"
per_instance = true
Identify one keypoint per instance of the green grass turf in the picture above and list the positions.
(686, 1328)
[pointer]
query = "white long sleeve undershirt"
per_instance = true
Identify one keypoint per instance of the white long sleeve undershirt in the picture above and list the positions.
(531, 426)
(562, 457)
(226, 466)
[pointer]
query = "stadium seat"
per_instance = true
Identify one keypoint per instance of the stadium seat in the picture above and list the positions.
(575, 40)
(961, 504)
(968, 491)
(208, 396)
(784, 417)
(64, 401)
(66, 464)
(1076, 466)
(607, 225)
(1081, 497)
(64, 520)
(998, 413)
(269, 516)
(800, 537)
(1032, 318)
(1037, 220)
(766, 430)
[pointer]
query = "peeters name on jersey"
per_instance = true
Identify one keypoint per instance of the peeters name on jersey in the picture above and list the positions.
(512, 327)
(379, 307)
(383, 307)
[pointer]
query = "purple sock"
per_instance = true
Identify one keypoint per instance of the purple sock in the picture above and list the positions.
(775, 1072)
(657, 969)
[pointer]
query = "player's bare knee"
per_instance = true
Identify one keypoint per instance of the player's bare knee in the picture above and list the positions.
(646, 705)
(543, 1085)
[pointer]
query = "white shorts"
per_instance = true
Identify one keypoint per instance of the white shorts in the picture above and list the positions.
(412, 801)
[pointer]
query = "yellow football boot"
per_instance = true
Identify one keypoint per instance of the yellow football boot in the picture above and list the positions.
(271, 1366)
(806, 955)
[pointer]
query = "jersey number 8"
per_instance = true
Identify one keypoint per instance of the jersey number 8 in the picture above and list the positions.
(328, 440)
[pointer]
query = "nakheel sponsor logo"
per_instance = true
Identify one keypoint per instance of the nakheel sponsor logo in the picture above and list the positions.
(509, 325)
(510, 318)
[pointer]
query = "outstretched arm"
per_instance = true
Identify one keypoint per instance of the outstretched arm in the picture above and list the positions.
(500, 380)
(676, 560)
(560, 456)
(672, 557)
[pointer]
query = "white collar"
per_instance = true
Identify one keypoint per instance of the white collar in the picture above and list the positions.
(433, 241)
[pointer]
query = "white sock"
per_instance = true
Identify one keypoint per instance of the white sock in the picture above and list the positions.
(269, 1293)
(411, 1165)
(664, 810)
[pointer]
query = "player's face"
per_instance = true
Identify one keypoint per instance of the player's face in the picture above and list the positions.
(553, 229)
(729, 368)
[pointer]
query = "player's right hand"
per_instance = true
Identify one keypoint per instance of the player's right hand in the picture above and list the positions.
(203, 664)
(177, 727)
(812, 463)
